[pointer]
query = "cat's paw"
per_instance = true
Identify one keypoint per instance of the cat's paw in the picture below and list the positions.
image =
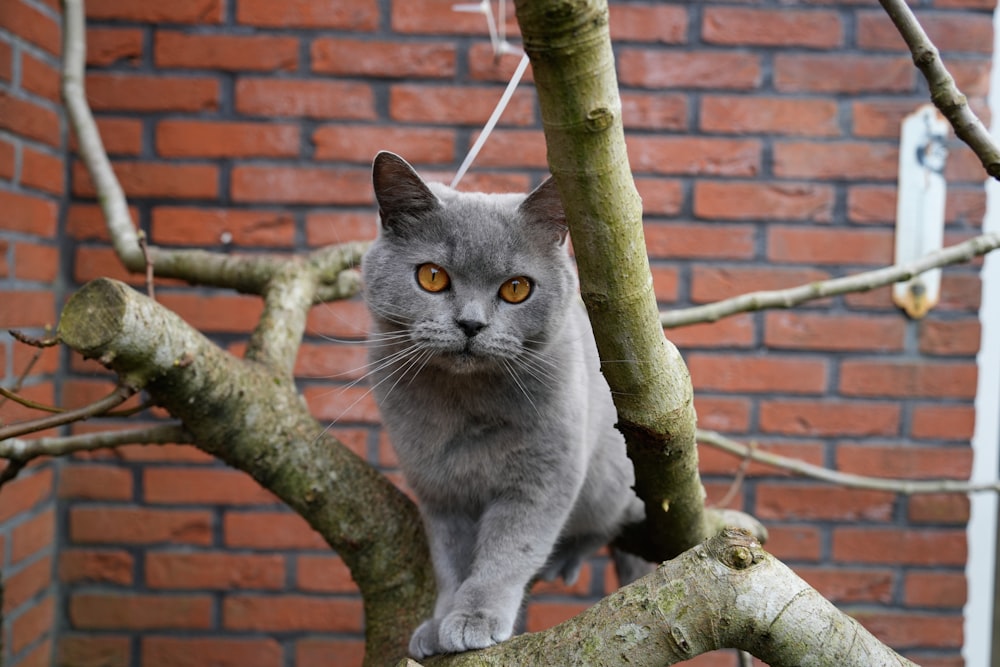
(461, 631)
(424, 641)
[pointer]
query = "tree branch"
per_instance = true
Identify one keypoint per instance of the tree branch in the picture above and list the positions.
(859, 282)
(724, 593)
(120, 394)
(16, 449)
(844, 479)
(944, 93)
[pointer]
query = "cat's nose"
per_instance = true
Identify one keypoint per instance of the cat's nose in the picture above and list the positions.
(470, 327)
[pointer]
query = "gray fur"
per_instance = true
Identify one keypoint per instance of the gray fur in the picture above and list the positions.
(507, 436)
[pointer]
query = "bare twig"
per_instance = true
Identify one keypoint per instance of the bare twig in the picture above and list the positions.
(11, 471)
(848, 480)
(859, 282)
(117, 397)
(17, 449)
(944, 93)
(149, 265)
(12, 395)
(738, 478)
(22, 337)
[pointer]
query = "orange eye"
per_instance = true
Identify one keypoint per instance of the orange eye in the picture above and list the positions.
(432, 277)
(515, 290)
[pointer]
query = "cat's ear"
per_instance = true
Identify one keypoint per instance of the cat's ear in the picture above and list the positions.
(399, 191)
(544, 207)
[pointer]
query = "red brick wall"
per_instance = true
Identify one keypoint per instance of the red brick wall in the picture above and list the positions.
(764, 141)
(32, 182)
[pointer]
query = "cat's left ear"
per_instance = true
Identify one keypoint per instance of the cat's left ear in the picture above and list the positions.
(544, 206)
(399, 191)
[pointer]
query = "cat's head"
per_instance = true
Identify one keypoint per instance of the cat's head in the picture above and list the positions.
(473, 279)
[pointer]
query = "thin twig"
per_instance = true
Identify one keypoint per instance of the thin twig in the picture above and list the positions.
(11, 471)
(845, 479)
(944, 93)
(149, 265)
(859, 282)
(17, 449)
(12, 395)
(738, 478)
(101, 406)
(22, 337)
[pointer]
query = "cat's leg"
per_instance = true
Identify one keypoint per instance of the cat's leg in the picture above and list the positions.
(452, 539)
(513, 542)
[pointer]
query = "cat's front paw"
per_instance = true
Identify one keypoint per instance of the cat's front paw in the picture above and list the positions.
(424, 641)
(461, 631)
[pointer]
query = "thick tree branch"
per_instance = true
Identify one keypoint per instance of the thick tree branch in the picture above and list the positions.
(859, 282)
(944, 93)
(251, 416)
(725, 593)
(843, 479)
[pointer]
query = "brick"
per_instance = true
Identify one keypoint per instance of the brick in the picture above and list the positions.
(28, 119)
(155, 179)
(196, 138)
(694, 155)
(40, 655)
(972, 77)
(318, 652)
(723, 413)
(21, 586)
(301, 185)
(740, 26)
(270, 530)
(237, 53)
(826, 246)
(815, 331)
(675, 240)
(232, 313)
(126, 525)
(342, 406)
(454, 105)
(965, 207)
(132, 611)
(353, 15)
(665, 283)
(38, 263)
(25, 309)
(934, 589)
(216, 651)
(121, 136)
(794, 543)
(881, 118)
(47, 363)
(665, 24)
(109, 566)
(36, 622)
(125, 91)
(339, 362)
(938, 508)
(358, 143)
(718, 462)
(949, 31)
(514, 148)
(33, 536)
(946, 337)
(95, 482)
(717, 282)
(297, 613)
(40, 77)
(305, 98)
(392, 59)
(927, 547)
(4, 272)
(903, 630)
(32, 25)
(646, 111)
(660, 196)
(341, 319)
(871, 203)
(6, 61)
(963, 166)
(842, 73)
(905, 461)
(214, 571)
(7, 158)
(798, 502)
(176, 11)
(773, 373)
(190, 226)
(324, 574)
(108, 46)
(10, 413)
(850, 586)
(942, 422)
(846, 160)
(728, 200)
(649, 68)
(340, 227)
(869, 377)
(92, 651)
(543, 615)
(829, 418)
(438, 17)
(42, 171)
(90, 263)
(730, 114)
(201, 486)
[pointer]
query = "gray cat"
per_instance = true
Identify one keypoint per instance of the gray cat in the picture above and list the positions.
(487, 377)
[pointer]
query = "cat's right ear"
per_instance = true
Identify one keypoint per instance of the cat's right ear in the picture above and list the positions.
(399, 191)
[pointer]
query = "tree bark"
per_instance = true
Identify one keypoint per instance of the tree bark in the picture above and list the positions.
(251, 416)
